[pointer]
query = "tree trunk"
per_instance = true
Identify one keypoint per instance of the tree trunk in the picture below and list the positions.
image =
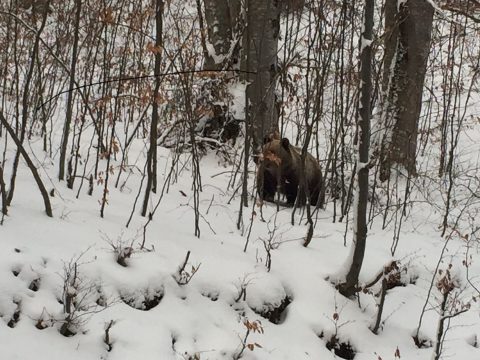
(263, 26)
(260, 46)
(222, 18)
(26, 98)
(68, 116)
(152, 152)
(31, 166)
(217, 16)
(407, 47)
(3, 193)
(349, 287)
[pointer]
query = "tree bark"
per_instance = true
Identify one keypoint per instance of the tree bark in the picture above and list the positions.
(152, 152)
(260, 47)
(217, 16)
(222, 17)
(26, 102)
(263, 26)
(349, 287)
(407, 47)
(31, 166)
(69, 114)
(3, 193)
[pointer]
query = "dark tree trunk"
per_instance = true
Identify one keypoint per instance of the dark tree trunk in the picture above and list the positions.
(217, 16)
(263, 26)
(407, 46)
(222, 18)
(26, 97)
(3, 193)
(349, 287)
(260, 47)
(68, 116)
(152, 152)
(21, 150)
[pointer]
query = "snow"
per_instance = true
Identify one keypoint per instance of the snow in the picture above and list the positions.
(434, 5)
(217, 59)
(202, 316)
(400, 3)
(365, 43)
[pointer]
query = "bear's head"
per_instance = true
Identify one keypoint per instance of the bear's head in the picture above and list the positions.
(276, 156)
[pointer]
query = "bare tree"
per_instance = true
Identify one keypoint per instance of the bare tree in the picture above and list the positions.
(263, 28)
(21, 150)
(349, 287)
(152, 152)
(407, 46)
(68, 116)
(221, 47)
(259, 55)
(3, 193)
(26, 102)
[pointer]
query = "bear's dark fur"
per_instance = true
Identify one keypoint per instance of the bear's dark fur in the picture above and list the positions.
(279, 171)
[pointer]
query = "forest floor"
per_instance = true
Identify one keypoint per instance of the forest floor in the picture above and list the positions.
(148, 310)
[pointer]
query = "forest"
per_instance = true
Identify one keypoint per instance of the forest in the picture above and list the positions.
(240, 179)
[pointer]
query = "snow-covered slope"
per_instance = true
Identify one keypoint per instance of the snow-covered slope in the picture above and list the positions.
(206, 318)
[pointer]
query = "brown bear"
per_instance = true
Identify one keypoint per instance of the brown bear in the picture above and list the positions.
(279, 169)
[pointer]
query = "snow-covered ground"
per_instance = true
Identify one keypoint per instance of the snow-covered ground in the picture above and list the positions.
(205, 318)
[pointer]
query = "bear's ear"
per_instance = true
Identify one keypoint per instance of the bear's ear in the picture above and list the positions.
(266, 139)
(286, 144)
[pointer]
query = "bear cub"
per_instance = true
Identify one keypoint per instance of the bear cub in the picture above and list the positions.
(279, 170)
